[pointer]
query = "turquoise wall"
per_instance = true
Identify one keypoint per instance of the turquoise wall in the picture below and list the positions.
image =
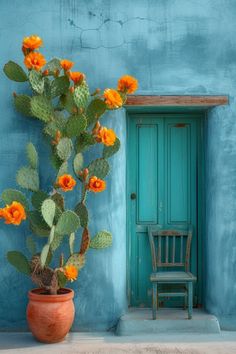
(172, 47)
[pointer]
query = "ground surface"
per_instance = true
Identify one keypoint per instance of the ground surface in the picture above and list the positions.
(225, 342)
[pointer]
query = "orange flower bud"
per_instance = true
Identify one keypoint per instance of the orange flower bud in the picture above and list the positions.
(96, 128)
(85, 173)
(72, 89)
(96, 185)
(66, 182)
(45, 72)
(56, 73)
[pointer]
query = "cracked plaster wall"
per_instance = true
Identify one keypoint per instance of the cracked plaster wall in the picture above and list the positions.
(172, 47)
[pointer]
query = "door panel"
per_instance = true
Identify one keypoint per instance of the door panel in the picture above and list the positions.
(147, 152)
(162, 173)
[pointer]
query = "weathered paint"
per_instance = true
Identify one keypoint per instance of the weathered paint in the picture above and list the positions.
(172, 47)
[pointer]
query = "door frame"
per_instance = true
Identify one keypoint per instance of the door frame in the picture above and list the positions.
(202, 116)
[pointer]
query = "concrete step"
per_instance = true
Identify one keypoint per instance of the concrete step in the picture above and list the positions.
(169, 320)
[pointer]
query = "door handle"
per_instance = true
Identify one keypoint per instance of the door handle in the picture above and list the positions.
(133, 196)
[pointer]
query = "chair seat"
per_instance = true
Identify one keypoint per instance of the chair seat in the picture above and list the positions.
(172, 277)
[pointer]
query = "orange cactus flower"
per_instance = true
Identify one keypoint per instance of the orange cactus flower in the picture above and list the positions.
(66, 183)
(71, 272)
(34, 60)
(14, 213)
(76, 77)
(112, 98)
(127, 84)
(32, 42)
(106, 136)
(66, 64)
(96, 184)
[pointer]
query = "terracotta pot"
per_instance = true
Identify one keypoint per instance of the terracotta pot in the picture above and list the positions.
(50, 317)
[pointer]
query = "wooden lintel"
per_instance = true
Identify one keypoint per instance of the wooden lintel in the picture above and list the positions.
(207, 101)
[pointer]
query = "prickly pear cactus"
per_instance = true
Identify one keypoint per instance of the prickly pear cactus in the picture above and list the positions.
(70, 117)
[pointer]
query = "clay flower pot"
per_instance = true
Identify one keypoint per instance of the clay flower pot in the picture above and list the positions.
(50, 317)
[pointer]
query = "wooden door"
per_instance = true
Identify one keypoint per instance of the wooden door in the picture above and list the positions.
(162, 189)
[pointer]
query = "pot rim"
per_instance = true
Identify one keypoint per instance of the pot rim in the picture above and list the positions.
(35, 295)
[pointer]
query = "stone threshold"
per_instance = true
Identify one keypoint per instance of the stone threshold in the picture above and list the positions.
(169, 320)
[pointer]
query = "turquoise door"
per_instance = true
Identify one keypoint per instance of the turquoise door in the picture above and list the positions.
(162, 189)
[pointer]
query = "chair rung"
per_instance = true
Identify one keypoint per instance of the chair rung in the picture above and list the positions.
(172, 294)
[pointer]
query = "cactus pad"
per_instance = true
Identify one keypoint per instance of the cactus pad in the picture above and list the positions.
(108, 151)
(38, 198)
(82, 212)
(57, 240)
(19, 261)
(58, 123)
(77, 260)
(95, 109)
(85, 241)
(81, 95)
(36, 81)
(32, 155)
(64, 148)
(11, 195)
(67, 101)
(53, 65)
(84, 141)
(63, 169)
(62, 280)
(78, 163)
(103, 239)
(59, 200)
(99, 168)
(37, 224)
(28, 178)
(59, 86)
(42, 108)
(71, 242)
(23, 105)
(48, 210)
(15, 72)
(44, 254)
(67, 223)
(75, 125)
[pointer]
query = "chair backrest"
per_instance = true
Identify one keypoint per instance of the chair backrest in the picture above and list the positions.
(170, 247)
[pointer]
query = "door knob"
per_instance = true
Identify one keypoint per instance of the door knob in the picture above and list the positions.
(133, 196)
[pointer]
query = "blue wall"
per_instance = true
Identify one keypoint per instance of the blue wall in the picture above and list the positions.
(172, 47)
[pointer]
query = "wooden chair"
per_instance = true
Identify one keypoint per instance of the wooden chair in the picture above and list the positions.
(165, 253)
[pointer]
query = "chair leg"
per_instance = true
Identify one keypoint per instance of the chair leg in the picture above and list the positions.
(190, 300)
(185, 302)
(154, 301)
